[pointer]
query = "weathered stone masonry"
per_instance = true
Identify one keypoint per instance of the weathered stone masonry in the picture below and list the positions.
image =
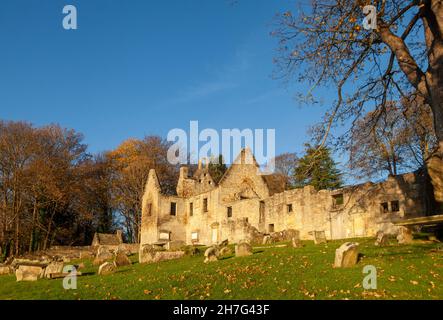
(206, 212)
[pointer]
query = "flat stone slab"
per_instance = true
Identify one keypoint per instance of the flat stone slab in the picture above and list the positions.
(29, 273)
(430, 220)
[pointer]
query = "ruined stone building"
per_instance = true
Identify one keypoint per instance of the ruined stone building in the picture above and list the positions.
(245, 202)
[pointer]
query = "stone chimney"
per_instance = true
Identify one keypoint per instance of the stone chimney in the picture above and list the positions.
(184, 173)
(183, 182)
(119, 234)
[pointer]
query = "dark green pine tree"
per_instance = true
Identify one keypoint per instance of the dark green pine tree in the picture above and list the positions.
(318, 169)
(217, 168)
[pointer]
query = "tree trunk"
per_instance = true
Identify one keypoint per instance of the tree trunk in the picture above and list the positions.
(435, 83)
(34, 218)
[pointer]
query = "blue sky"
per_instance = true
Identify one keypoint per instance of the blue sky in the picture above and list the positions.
(140, 67)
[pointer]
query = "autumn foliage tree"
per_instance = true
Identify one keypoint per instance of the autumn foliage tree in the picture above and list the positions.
(130, 163)
(326, 45)
(50, 188)
(400, 140)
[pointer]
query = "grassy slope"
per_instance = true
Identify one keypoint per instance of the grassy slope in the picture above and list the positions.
(404, 272)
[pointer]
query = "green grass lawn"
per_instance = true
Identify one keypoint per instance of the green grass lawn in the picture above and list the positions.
(404, 272)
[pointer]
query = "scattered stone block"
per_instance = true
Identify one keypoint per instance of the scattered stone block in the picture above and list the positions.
(319, 237)
(243, 249)
(404, 235)
(211, 254)
(347, 255)
(53, 267)
(107, 268)
(382, 239)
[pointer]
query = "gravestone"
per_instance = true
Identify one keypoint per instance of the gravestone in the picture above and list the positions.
(225, 251)
(319, 237)
(103, 255)
(211, 254)
(174, 245)
(146, 253)
(86, 255)
(404, 235)
(53, 267)
(223, 244)
(121, 259)
(347, 255)
(107, 268)
(382, 239)
(191, 250)
(29, 273)
(296, 242)
(5, 270)
(243, 249)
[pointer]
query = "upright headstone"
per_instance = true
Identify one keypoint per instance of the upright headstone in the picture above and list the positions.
(243, 249)
(347, 255)
(107, 268)
(296, 242)
(211, 254)
(381, 239)
(146, 254)
(404, 235)
(121, 259)
(319, 237)
(103, 255)
(53, 267)
(5, 270)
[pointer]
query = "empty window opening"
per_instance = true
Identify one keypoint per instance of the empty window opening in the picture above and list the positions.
(229, 212)
(173, 209)
(191, 209)
(395, 206)
(289, 208)
(338, 200)
(205, 205)
(261, 217)
(271, 228)
(384, 207)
